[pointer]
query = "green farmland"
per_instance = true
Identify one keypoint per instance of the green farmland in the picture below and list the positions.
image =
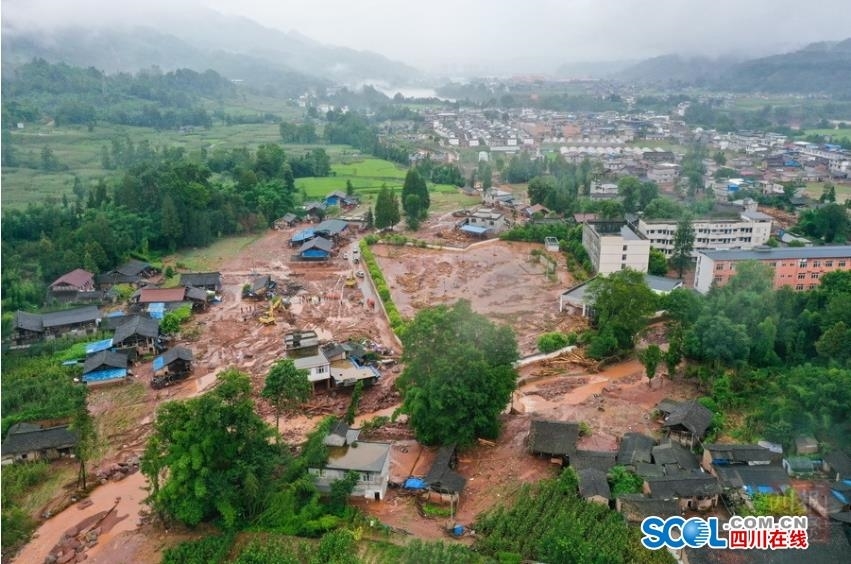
(78, 151)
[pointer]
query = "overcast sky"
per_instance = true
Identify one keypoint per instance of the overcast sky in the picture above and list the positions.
(445, 34)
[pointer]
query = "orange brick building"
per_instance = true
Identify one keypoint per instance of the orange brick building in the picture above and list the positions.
(798, 267)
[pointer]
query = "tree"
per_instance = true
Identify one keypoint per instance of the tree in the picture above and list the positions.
(683, 245)
(458, 376)
(719, 158)
(369, 218)
(650, 358)
(171, 225)
(413, 211)
(539, 189)
(386, 209)
(210, 457)
(658, 264)
(286, 387)
(350, 190)
(629, 188)
(352, 411)
(84, 428)
(416, 185)
(622, 304)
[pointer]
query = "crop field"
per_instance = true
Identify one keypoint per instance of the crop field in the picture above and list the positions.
(815, 189)
(831, 132)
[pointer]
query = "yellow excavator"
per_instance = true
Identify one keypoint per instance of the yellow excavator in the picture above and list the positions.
(269, 317)
(351, 281)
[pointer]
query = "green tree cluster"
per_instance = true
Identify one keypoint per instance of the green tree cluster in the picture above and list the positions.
(458, 376)
(209, 458)
(622, 303)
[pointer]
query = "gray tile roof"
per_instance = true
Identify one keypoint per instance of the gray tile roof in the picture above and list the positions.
(75, 316)
(176, 353)
(441, 477)
(732, 453)
(593, 482)
(840, 462)
(201, 279)
(601, 460)
(635, 448)
(557, 438)
(105, 359)
(137, 325)
(690, 485)
(320, 243)
(832, 251)
(636, 507)
(692, 416)
(23, 438)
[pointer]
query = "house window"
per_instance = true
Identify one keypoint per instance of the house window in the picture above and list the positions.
(841, 264)
(801, 276)
(814, 275)
(803, 263)
(799, 286)
(773, 265)
(828, 263)
(623, 257)
(624, 248)
(816, 263)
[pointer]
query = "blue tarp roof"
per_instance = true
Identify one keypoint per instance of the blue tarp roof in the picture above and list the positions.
(156, 310)
(760, 489)
(314, 253)
(840, 496)
(159, 363)
(116, 314)
(414, 484)
(97, 346)
(104, 375)
(475, 229)
(304, 235)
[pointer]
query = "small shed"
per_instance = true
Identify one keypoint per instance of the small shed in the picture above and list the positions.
(288, 220)
(316, 249)
(105, 367)
(837, 464)
(301, 237)
(806, 445)
(207, 280)
(28, 442)
(173, 365)
(138, 332)
(556, 439)
(594, 486)
(688, 422)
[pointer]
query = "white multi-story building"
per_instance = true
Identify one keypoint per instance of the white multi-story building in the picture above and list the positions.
(612, 246)
(751, 230)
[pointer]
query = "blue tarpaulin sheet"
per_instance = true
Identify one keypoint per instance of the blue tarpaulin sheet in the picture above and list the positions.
(159, 363)
(97, 346)
(303, 235)
(104, 375)
(115, 314)
(474, 229)
(414, 484)
(156, 310)
(314, 253)
(840, 496)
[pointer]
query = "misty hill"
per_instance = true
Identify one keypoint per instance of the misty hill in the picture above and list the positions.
(818, 67)
(235, 47)
(675, 69)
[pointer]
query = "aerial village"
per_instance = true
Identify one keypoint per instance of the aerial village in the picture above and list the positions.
(301, 291)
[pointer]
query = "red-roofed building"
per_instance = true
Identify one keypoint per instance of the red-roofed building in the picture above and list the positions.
(78, 280)
(160, 295)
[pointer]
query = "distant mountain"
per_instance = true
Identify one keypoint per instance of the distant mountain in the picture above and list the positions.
(823, 67)
(818, 67)
(600, 69)
(676, 69)
(235, 47)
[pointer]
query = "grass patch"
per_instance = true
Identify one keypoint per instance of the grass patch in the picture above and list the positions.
(831, 132)
(815, 189)
(432, 510)
(127, 406)
(209, 258)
